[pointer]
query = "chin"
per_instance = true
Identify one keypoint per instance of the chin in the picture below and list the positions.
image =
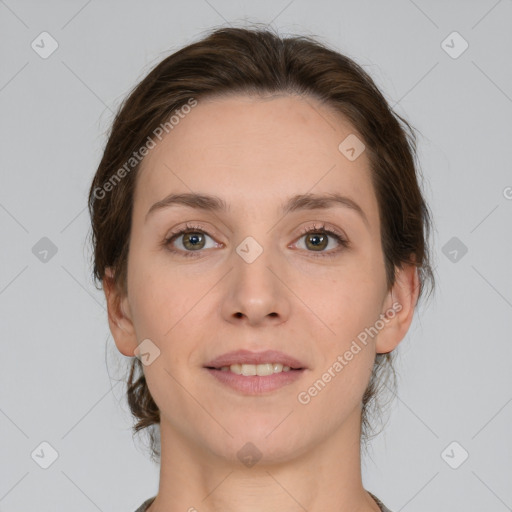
(260, 441)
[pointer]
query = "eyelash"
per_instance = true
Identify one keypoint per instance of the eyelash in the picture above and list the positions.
(314, 229)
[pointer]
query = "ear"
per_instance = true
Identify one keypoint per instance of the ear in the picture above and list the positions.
(119, 316)
(399, 305)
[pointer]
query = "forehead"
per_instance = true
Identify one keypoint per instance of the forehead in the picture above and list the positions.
(256, 151)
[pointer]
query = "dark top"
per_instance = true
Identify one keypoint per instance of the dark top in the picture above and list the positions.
(148, 502)
(145, 505)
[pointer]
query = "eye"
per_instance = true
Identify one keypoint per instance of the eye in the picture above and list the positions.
(193, 240)
(317, 239)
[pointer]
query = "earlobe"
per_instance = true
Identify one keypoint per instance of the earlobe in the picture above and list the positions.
(119, 316)
(399, 308)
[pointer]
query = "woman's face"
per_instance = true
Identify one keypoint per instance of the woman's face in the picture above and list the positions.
(247, 278)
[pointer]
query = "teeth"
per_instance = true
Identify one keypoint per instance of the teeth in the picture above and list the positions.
(256, 369)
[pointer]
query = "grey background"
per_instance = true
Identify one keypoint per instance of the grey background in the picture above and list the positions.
(61, 375)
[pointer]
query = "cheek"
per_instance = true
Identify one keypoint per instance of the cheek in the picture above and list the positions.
(352, 301)
(155, 305)
(160, 295)
(167, 308)
(334, 392)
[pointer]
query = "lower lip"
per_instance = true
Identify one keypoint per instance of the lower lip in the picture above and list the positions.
(256, 384)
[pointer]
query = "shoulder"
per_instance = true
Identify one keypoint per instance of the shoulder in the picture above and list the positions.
(146, 504)
(381, 505)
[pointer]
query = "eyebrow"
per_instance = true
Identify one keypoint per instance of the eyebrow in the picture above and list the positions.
(295, 203)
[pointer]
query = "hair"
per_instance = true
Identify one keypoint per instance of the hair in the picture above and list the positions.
(257, 61)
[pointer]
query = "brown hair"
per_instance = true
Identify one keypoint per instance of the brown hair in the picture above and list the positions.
(256, 61)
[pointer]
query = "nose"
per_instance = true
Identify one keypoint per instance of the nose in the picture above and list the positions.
(255, 290)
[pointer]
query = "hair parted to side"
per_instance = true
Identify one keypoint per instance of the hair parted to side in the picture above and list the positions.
(258, 61)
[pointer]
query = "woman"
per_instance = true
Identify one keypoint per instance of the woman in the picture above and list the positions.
(261, 238)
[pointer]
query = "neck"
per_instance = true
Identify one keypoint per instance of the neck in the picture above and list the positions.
(318, 477)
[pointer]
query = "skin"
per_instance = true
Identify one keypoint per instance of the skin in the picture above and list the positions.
(255, 153)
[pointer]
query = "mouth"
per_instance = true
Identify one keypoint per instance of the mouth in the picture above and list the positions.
(255, 373)
(261, 370)
(245, 362)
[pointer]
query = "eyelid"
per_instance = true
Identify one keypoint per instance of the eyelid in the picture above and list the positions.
(324, 226)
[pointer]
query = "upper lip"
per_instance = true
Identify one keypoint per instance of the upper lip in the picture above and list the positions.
(248, 357)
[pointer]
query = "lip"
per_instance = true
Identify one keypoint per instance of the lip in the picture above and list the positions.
(248, 357)
(256, 384)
